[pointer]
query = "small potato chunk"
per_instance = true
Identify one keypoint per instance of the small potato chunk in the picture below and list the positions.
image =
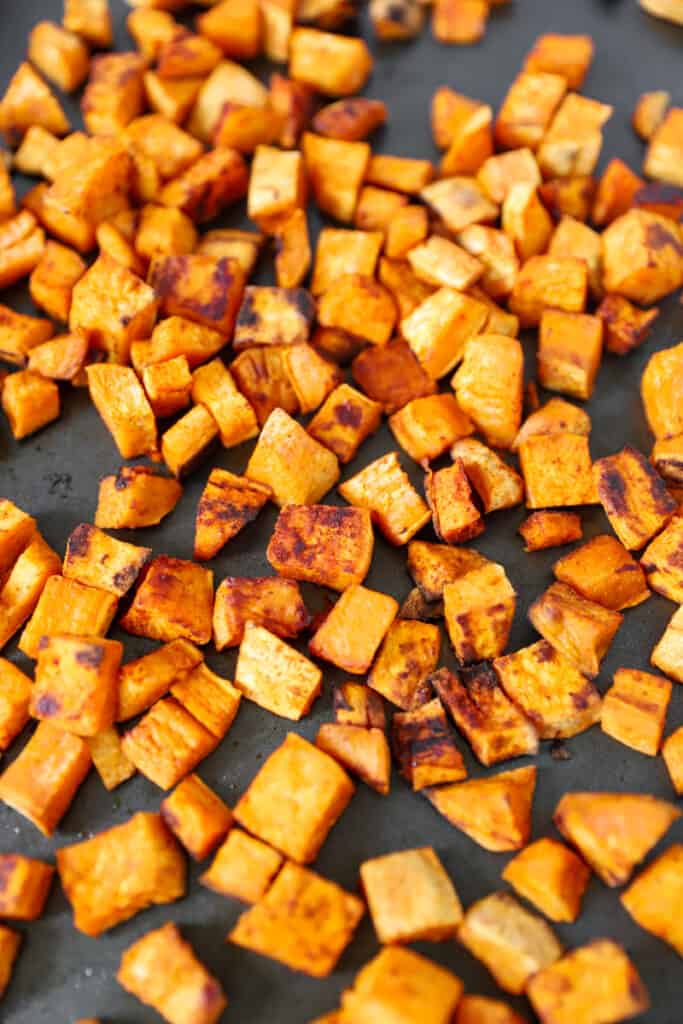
(296, 468)
(460, 22)
(217, 180)
(59, 54)
(273, 316)
(76, 684)
(67, 606)
(228, 503)
(341, 251)
(654, 898)
(234, 26)
(626, 326)
(471, 143)
(603, 571)
(29, 402)
(449, 110)
(569, 352)
(54, 278)
(19, 334)
(209, 698)
(168, 386)
(145, 680)
(391, 375)
(432, 566)
(427, 427)
(672, 753)
(197, 816)
(615, 192)
(510, 941)
(409, 654)
(549, 282)
(161, 969)
(26, 886)
(29, 101)
(322, 544)
(377, 207)
(336, 171)
(15, 695)
(407, 228)
(668, 653)
(662, 160)
(488, 386)
(42, 781)
(613, 832)
(410, 897)
(243, 868)
(555, 417)
(214, 387)
(499, 173)
(111, 764)
(167, 743)
(265, 601)
(10, 941)
(114, 307)
(557, 470)
(634, 497)
(649, 112)
(135, 497)
(642, 257)
(115, 94)
(479, 609)
(494, 728)
(292, 249)
(356, 704)
(662, 392)
(565, 55)
(360, 305)
(24, 584)
(311, 374)
(408, 291)
(351, 119)
(174, 600)
(94, 558)
(295, 799)
(573, 239)
(200, 288)
(551, 876)
(498, 485)
(424, 746)
(580, 629)
(661, 560)
(277, 183)
(398, 984)
(90, 19)
(187, 443)
(274, 675)
(526, 221)
(439, 328)
(332, 64)
(354, 629)
(496, 252)
(345, 419)
(528, 109)
(494, 812)
(17, 530)
(384, 488)
(572, 144)
(261, 375)
(119, 397)
(363, 752)
(459, 202)
(634, 709)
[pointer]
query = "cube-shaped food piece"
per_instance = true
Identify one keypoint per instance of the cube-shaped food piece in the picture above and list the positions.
(616, 192)
(488, 386)
(28, 101)
(392, 375)
(336, 171)
(613, 832)
(274, 675)
(493, 726)
(439, 328)
(569, 352)
(265, 601)
(662, 391)
(168, 386)
(186, 55)
(42, 781)
(62, 358)
(216, 180)
(227, 79)
(322, 544)
(662, 160)
(262, 376)
(528, 108)
(177, 336)
(334, 65)
(479, 609)
(312, 375)
(271, 315)
(362, 751)
(551, 876)
(209, 698)
(580, 629)
(243, 867)
(459, 201)
(15, 694)
(549, 690)
(471, 135)
(352, 632)
(26, 885)
(296, 468)
(549, 282)
(171, 97)
(526, 221)
(167, 743)
(509, 940)
(642, 257)
(214, 387)
(94, 558)
(653, 900)
(400, 985)
(496, 251)
(113, 307)
(54, 278)
(114, 94)
(455, 513)
(23, 586)
(445, 264)
(667, 457)
(543, 530)
(276, 184)
(427, 427)
(634, 497)
(603, 571)
(672, 752)
(353, 119)
(557, 416)
(187, 443)
(67, 606)
(19, 334)
(227, 504)
(634, 709)
(384, 488)
(356, 704)
(197, 816)
(573, 238)
(565, 55)
(143, 681)
(565, 992)
(29, 402)
(174, 599)
(497, 484)
(76, 684)
(304, 921)
(243, 246)
(409, 653)
(199, 288)
(483, 1010)
(119, 397)
(494, 812)
(557, 470)
(572, 144)
(172, 149)
(17, 530)
(295, 799)
(410, 897)
(408, 227)
(10, 942)
(432, 566)
(662, 560)
(341, 251)
(135, 497)
(111, 764)
(164, 231)
(424, 746)
(360, 305)
(345, 419)
(161, 969)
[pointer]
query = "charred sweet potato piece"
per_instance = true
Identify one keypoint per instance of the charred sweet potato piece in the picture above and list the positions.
(580, 629)
(26, 886)
(261, 375)
(400, 982)
(111, 764)
(296, 468)
(277, 183)
(494, 812)
(15, 694)
(565, 55)
(243, 867)
(120, 400)
(384, 488)
(551, 877)
(350, 119)
(294, 102)
(295, 799)
(642, 257)
(345, 419)
(509, 940)
(479, 608)
(146, 679)
(634, 709)
(164, 231)
(94, 558)
(427, 427)
(392, 375)
(668, 652)
(649, 112)
(242, 246)
(197, 816)
(569, 352)
(615, 192)
(135, 497)
(409, 653)
(216, 180)
(459, 201)
(273, 316)
(312, 376)
(528, 109)
(662, 561)
(322, 544)
(67, 606)
(494, 728)
(167, 743)
(424, 746)
(633, 496)
(354, 629)
(168, 386)
(432, 566)
(408, 291)
(76, 683)
(603, 571)
(363, 752)
(557, 470)
(227, 504)
(24, 584)
(200, 288)
(174, 600)
(356, 704)
(29, 101)
(61, 358)
(19, 334)
(626, 326)
(266, 601)
(188, 442)
(271, 673)
(42, 781)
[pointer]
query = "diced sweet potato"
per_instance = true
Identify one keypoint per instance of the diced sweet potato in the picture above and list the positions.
(557, 470)
(424, 746)
(569, 352)
(111, 764)
(151, 28)
(661, 560)
(197, 816)
(67, 606)
(653, 898)
(459, 202)
(322, 544)
(427, 427)
(19, 334)
(672, 753)
(407, 289)
(29, 101)
(528, 109)
(209, 698)
(668, 652)
(76, 683)
(234, 26)
(168, 386)
(15, 694)
(634, 709)
(392, 375)
(565, 55)
(277, 184)
(59, 54)
(633, 496)
(407, 228)
(615, 192)
(135, 497)
(261, 375)
(498, 485)
(642, 257)
(292, 249)
(363, 752)
(665, 149)
(350, 119)
(649, 112)
(572, 144)
(90, 19)
(217, 180)
(345, 419)
(488, 386)
(496, 252)
(10, 941)
(94, 558)
(361, 306)
(17, 530)
(400, 984)
(494, 812)
(167, 743)
(551, 876)
(434, 565)
(265, 601)
(626, 326)
(580, 629)
(356, 704)
(214, 387)
(121, 402)
(200, 288)
(352, 632)
(460, 21)
(482, 1010)
(174, 600)
(526, 221)
(113, 307)
(114, 94)
(187, 443)
(62, 358)
(549, 282)
(471, 142)
(333, 65)
(555, 417)
(227, 504)
(24, 584)
(296, 468)
(479, 608)
(243, 867)
(603, 571)
(377, 207)
(242, 246)
(273, 316)
(409, 653)
(26, 885)
(30, 402)
(143, 681)
(274, 675)
(227, 79)
(661, 389)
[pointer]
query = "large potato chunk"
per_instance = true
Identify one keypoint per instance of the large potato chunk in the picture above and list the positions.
(399, 985)
(494, 812)
(322, 544)
(642, 254)
(274, 675)
(654, 899)
(175, 599)
(298, 470)
(634, 497)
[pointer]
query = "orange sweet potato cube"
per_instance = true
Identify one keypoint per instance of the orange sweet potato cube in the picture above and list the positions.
(615, 192)
(54, 278)
(209, 698)
(322, 544)
(498, 485)
(345, 419)
(67, 606)
(649, 112)
(119, 397)
(350, 119)
(471, 143)
(312, 375)
(488, 386)
(61, 358)
(197, 816)
(555, 417)
(277, 184)
(557, 470)
(15, 694)
(24, 584)
(333, 65)
(98, 560)
(652, 899)
(479, 609)
(579, 628)
(549, 282)
(460, 21)
(672, 753)
(341, 251)
(642, 257)
(76, 683)
(29, 402)
(565, 55)
(665, 149)
(217, 180)
(26, 886)
(634, 497)
(265, 601)
(439, 328)
(261, 375)
(213, 386)
(227, 79)
(626, 326)
(391, 375)
(526, 221)
(227, 504)
(111, 764)
(363, 752)
(242, 868)
(573, 239)
(162, 970)
(151, 28)
(44, 778)
(459, 201)
(167, 743)
(424, 746)
(28, 101)
(168, 386)
(455, 514)
(146, 679)
(668, 653)
(174, 599)
(242, 246)
(186, 444)
(292, 249)
(59, 54)
(661, 392)
(408, 655)
(354, 629)
(10, 941)
(377, 207)
(572, 144)
(569, 352)
(551, 877)
(634, 709)
(398, 983)
(494, 812)
(90, 19)
(449, 110)
(296, 468)
(427, 427)
(135, 497)
(356, 704)
(408, 227)
(274, 675)
(482, 1010)
(114, 94)
(234, 26)
(200, 288)
(407, 289)
(661, 559)
(270, 315)
(361, 306)
(19, 334)
(295, 799)
(187, 55)
(603, 571)
(528, 109)
(434, 565)
(17, 530)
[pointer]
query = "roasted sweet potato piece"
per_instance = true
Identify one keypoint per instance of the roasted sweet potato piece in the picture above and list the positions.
(24, 584)
(496, 251)
(29, 402)
(186, 55)
(29, 101)
(261, 375)
(384, 488)
(460, 21)
(356, 704)
(498, 485)
(494, 812)
(120, 400)
(666, 147)
(22, 246)
(270, 672)
(363, 752)
(402, 21)
(528, 109)
(634, 709)
(273, 316)
(661, 561)
(377, 207)
(42, 781)
(603, 571)
(361, 306)
(234, 26)
(341, 251)
(216, 180)
(344, 420)
(333, 65)
(15, 694)
(151, 28)
(408, 291)
(243, 867)
(146, 679)
(566, 991)
(459, 201)
(19, 334)
(652, 899)
(555, 417)
(509, 940)
(59, 54)
(350, 119)
(565, 55)
(354, 629)
(8, 205)
(409, 653)
(94, 558)
(427, 427)
(569, 352)
(113, 307)
(296, 468)
(407, 228)
(392, 375)
(549, 282)
(53, 280)
(479, 608)
(661, 389)
(277, 184)
(10, 941)
(174, 600)
(399, 983)
(167, 743)
(557, 470)
(294, 102)
(76, 683)
(580, 629)
(26, 886)
(67, 606)
(209, 698)
(200, 288)
(213, 387)
(489, 384)
(114, 94)
(322, 544)
(494, 728)
(295, 799)
(439, 328)
(90, 19)
(227, 504)
(615, 192)
(571, 146)
(626, 326)
(164, 232)
(135, 497)
(432, 566)
(666, 458)
(265, 601)
(168, 386)
(449, 110)
(110, 763)
(242, 246)
(649, 112)
(292, 249)
(456, 516)
(471, 142)
(633, 496)
(573, 239)
(197, 816)
(672, 753)
(17, 530)
(551, 876)
(642, 257)
(668, 653)
(482, 1010)
(526, 221)
(425, 748)
(228, 79)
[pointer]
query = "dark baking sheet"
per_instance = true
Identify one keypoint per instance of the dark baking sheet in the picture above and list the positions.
(61, 975)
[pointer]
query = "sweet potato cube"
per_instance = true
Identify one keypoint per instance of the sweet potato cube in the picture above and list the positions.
(488, 386)
(569, 352)
(21, 258)
(668, 652)
(209, 698)
(168, 386)
(672, 753)
(340, 251)
(449, 110)
(555, 417)
(492, 725)
(352, 119)
(10, 941)
(187, 443)
(408, 227)
(565, 55)
(164, 231)
(24, 584)
(273, 316)
(407, 289)
(615, 192)
(322, 544)
(19, 334)
(377, 207)
(361, 306)
(227, 79)
(277, 183)
(482, 1010)
(626, 326)
(549, 282)
(213, 386)
(424, 746)
(460, 21)
(61, 358)
(197, 816)
(274, 675)
(634, 497)
(17, 530)
(392, 375)
(187, 55)
(439, 328)
(294, 102)
(59, 54)
(661, 390)
(666, 147)
(15, 694)
(261, 375)
(200, 288)
(151, 28)
(654, 897)
(216, 180)
(528, 109)
(146, 679)
(30, 402)
(634, 709)
(356, 704)
(613, 832)
(227, 504)
(642, 257)
(296, 468)
(354, 629)
(434, 565)
(332, 64)
(243, 867)
(494, 812)
(8, 205)
(410, 897)
(402, 174)
(345, 419)
(292, 249)
(120, 400)
(26, 886)
(76, 683)
(67, 606)
(242, 246)
(498, 485)
(94, 558)
(174, 600)
(603, 571)
(29, 101)
(409, 653)
(234, 26)
(526, 221)
(114, 94)
(167, 743)
(111, 764)
(471, 143)
(580, 629)
(572, 144)
(90, 19)
(135, 497)
(649, 112)
(551, 876)
(459, 201)
(573, 239)
(295, 799)
(312, 376)
(427, 427)
(661, 560)
(509, 940)
(162, 970)
(42, 781)
(479, 609)
(265, 601)
(399, 984)
(363, 752)
(566, 990)
(557, 470)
